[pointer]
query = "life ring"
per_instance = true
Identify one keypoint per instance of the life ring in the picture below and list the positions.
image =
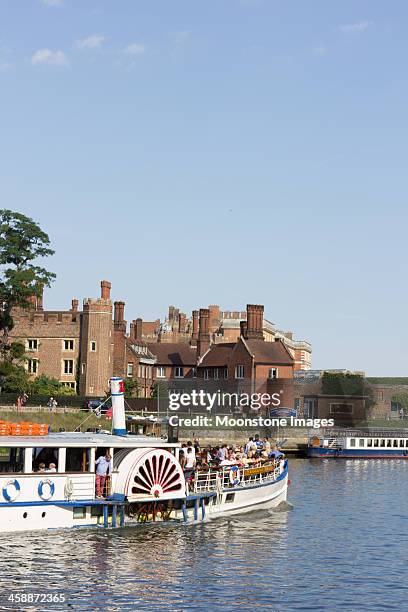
(234, 475)
(10, 497)
(51, 489)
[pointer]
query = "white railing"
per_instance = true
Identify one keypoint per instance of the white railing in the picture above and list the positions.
(224, 478)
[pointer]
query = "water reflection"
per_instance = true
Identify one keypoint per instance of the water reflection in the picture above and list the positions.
(340, 548)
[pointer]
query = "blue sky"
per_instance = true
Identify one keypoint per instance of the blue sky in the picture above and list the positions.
(226, 151)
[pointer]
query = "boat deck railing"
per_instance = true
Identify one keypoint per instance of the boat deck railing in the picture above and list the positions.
(229, 477)
(366, 433)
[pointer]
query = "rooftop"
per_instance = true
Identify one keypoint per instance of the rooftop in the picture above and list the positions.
(174, 353)
(83, 440)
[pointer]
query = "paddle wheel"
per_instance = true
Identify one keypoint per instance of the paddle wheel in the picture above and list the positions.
(150, 475)
(150, 511)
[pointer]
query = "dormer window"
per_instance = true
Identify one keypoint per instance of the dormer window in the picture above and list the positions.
(178, 372)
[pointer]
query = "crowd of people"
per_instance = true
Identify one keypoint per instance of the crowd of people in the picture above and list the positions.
(255, 452)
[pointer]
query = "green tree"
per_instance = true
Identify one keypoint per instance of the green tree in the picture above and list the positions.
(160, 390)
(401, 398)
(48, 386)
(13, 378)
(22, 242)
(132, 388)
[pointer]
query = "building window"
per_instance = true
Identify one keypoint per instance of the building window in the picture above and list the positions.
(239, 371)
(32, 344)
(194, 372)
(70, 385)
(206, 374)
(341, 408)
(129, 369)
(161, 372)
(273, 373)
(68, 366)
(68, 345)
(91, 390)
(178, 372)
(93, 346)
(216, 374)
(395, 407)
(83, 368)
(225, 373)
(32, 366)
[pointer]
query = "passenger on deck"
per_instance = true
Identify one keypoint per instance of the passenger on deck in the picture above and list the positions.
(222, 453)
(190, 459)
(41, 467)
(103, 469)
(266, 445)
(51, 468)
(190, 446)
(182, 458)
(190, 464)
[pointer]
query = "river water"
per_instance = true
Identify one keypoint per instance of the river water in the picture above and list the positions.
(344, 546)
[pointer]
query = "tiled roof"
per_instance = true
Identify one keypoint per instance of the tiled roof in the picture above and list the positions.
(218, 355)
(173, 353)
(269, 352)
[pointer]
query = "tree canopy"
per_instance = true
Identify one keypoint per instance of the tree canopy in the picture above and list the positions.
(22, 242)
(22, 246)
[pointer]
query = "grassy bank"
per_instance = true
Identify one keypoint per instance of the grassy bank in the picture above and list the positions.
(68, 420)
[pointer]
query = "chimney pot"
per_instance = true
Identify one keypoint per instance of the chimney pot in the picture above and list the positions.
(105, 289)
(254, 322)
(203, 343)
(195, 325)
(119, 316)
(138, 328)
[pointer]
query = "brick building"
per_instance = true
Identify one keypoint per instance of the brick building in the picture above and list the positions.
(223, 326)
(131, 356)
(73, 346)
(248, 365)
(84, 348)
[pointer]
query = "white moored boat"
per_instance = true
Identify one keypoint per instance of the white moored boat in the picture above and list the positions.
(146, 481)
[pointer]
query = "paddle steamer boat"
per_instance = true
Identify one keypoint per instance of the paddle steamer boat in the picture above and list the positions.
(146, 481)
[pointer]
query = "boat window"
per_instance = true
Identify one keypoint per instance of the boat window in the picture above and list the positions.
(395, 443)
(401, 443)
(406, 443)
(229, 498)
(361, 443)
(11, 460)
(376, 440)
(369, 442)
(352, 442)
(43, 458)
(383, 443)
(77, 460)
(388, 443)
(79, 512)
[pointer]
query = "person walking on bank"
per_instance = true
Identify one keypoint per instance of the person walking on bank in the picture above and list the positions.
(103, 469)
